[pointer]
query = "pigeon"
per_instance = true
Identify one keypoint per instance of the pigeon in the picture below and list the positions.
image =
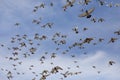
(87, 13)
(69, 3)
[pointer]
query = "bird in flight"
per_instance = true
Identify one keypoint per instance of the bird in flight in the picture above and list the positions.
(69, 3)
(111, 62)
(117, 32)
(87, 13)
(17, 24)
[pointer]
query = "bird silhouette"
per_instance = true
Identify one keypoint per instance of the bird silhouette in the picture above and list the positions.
(87, 13)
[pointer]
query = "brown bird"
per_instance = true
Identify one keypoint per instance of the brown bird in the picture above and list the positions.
(69, 3)
(87, 13)
(101, 20)
(112, 40)
(56, 69)
(87, 40)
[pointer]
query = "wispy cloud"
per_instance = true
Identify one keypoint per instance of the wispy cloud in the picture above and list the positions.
(98, 59)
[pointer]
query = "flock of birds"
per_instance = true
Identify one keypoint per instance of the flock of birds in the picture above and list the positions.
(25, 47)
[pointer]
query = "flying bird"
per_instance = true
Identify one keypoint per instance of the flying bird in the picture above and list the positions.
(101, 2)
(69, 3)
(87, 13)
(117, 32)
(112, 40)
(111, 62)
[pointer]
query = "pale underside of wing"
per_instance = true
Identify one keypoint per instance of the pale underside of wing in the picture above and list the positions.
(83, 14)
(91, 10)
(65, 6)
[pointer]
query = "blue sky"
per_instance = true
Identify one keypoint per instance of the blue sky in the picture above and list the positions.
(21, 11)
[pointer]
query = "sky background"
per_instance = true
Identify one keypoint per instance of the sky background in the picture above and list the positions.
(21, 11)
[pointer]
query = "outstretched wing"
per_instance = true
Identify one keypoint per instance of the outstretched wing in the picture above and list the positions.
(65, 6)
(83, 14)
(91, 10)
(87, 13)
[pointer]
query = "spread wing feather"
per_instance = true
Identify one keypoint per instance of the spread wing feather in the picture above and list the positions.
(86, 14)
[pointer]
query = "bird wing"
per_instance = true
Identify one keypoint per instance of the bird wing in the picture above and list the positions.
(83, 14)
(59, 67)
(91, 10)
(68, 4)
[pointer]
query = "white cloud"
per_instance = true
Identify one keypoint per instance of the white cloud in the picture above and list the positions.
(98, 59)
